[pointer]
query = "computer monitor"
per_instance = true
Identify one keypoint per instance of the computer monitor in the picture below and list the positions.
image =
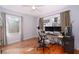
(48, 28)
(57, 28)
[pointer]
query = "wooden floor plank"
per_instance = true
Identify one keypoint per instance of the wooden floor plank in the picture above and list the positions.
(30, 47)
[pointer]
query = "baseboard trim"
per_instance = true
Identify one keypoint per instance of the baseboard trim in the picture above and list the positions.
(30, 38)
(21, 41)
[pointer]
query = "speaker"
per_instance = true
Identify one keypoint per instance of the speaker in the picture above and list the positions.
(68, 44)
(69, 31)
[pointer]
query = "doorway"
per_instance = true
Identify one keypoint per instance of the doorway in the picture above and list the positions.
(13, 28)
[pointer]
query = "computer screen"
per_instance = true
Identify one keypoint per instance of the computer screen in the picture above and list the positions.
(53, 28)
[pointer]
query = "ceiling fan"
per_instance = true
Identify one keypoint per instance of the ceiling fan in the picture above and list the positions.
(34, 8)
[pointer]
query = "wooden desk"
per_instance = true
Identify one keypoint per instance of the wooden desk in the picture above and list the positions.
(55, 36)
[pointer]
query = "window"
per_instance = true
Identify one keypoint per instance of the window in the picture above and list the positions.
(12, 23)
(55, 19)
(52, 20)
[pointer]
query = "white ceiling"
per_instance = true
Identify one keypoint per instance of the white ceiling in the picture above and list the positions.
(40, 10)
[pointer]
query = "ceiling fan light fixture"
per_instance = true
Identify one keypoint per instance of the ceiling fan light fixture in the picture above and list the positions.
(33, 7)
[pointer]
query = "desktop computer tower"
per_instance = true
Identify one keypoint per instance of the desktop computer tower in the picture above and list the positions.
(68, 44)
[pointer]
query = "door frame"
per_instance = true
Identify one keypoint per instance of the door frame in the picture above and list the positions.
(4, 24)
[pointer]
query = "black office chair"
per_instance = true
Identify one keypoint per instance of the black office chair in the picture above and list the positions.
(42, 41)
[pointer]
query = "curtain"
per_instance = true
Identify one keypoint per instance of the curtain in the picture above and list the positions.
(4, 28)
(65, 19)
(41, 23)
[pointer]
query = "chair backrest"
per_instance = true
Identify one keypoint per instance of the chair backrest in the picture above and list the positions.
(39, 34)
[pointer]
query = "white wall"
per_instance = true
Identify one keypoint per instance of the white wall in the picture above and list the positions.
(74, 14)
(0, 9)
(29, 25)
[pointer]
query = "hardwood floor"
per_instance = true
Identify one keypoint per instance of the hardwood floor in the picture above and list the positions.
(76, 51)
(30, 47)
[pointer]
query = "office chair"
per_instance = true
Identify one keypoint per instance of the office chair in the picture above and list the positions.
(43, 41)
